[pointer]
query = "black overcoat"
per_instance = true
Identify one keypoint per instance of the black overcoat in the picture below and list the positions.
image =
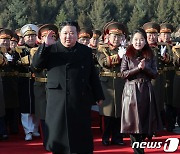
(25, 84)
(73, 85)
(176, 84)
(10, 83)
(2, 105)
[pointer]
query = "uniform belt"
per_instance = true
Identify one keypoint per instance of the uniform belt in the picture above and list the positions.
(40, 79)
(178, 73)
(27, 75)
(110, 74)
(8, 73)
(169, 68)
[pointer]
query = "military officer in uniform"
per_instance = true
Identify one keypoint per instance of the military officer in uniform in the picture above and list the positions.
(41, 76)
(109, 58)
(84, 36)
(14, 41)
(176, 87)
(26, 82)
(3, 129)
(152, 29)
(21, 39)
(10, 81)
(169, 71)
(94, 41)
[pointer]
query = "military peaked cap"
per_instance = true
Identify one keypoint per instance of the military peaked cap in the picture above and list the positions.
(85, 33)
(15, 37)
(166, 28)
(29, 29)
(43, 30)
(6, 34)
(151, 27)
(115, 28)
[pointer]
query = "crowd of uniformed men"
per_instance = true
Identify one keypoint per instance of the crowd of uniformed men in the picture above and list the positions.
(23, 88)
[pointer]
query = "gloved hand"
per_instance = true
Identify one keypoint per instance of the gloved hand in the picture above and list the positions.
(9, 57)
(121, 51)
(123, 43)
(163, 50)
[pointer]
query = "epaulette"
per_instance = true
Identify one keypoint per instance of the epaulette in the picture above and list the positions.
(33, 51)
(1, 59)
(156, 47)
(176, 50)
(162, 43)
(20, 48)
(102, 47)
(3, 49)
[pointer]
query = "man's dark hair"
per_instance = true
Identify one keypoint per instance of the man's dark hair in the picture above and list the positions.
(69, 23)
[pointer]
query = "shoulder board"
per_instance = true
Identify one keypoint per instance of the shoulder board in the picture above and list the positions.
(20, 48)
(175, 48)
(162, 43)
(155, 48)
(102, 47)
(33, 50)
(166, 44)
(3, 49)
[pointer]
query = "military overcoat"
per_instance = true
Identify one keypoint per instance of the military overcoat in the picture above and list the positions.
(112, 86)
(2, 105)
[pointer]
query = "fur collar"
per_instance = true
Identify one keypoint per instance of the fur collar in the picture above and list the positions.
(146, 52)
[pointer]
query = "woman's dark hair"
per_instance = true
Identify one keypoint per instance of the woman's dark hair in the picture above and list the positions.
(69, 23)
(146, 50)
(142, 32)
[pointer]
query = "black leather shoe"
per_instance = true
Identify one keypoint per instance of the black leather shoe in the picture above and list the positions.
(105, 142)
(119, 142)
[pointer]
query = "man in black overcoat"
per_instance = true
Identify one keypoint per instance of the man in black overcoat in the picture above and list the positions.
(72, 87)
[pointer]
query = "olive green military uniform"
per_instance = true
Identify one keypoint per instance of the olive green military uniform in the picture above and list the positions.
(169, 72)
(176, 87)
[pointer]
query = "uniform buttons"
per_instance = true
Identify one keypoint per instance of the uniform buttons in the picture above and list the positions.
(159, 63)
(83, 80)
(82, 66)
(67, 79)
